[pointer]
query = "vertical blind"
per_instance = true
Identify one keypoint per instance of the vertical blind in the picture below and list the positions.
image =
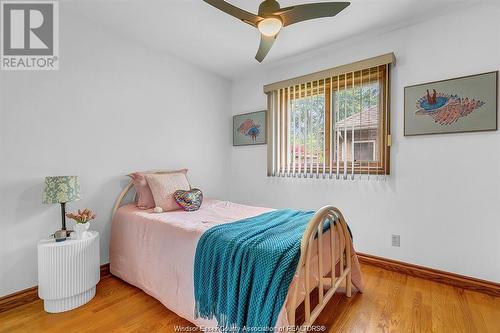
(331, 124)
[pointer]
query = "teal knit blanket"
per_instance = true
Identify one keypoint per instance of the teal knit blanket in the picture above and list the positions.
(243, 270)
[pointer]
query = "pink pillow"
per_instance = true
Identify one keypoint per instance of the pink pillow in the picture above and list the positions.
(163, 187)
(145, 198)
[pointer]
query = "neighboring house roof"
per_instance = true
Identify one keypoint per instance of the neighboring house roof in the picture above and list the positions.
(360, 120)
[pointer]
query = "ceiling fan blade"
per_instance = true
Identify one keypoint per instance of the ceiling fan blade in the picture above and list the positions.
(239, 13)
(265, 45)
(310, 11)
(283, 10)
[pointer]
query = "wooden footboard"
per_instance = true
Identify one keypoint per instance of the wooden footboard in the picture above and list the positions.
(334, 217)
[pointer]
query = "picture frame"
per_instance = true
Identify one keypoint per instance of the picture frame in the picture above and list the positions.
(250, 128)
(456, 105)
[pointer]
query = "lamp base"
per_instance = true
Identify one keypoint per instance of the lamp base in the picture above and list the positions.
(60, 235)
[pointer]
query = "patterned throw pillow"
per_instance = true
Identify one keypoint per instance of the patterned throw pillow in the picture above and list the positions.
(189, 200)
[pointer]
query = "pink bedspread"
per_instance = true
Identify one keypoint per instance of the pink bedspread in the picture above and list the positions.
(155, 252)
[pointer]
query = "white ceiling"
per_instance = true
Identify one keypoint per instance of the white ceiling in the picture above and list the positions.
(209, 38)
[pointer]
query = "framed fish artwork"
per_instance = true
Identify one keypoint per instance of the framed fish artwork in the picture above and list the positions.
(249, 129)
(463, 104)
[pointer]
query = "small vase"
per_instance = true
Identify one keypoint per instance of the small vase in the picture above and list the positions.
(81, 230)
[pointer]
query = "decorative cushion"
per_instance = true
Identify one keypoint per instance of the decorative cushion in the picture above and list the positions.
(145, 198)
(163, 187)
(189, 200)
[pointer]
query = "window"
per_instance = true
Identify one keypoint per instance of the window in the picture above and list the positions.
(365, 150)
(335, 125)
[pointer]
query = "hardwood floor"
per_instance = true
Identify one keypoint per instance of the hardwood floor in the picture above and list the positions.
(392, 302)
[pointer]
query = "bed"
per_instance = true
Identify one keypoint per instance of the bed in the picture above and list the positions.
(155, 252)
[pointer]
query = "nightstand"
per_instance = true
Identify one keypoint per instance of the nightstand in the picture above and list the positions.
(68, 272)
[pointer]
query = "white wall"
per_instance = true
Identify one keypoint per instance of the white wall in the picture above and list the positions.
(443, 196)
(112, 108)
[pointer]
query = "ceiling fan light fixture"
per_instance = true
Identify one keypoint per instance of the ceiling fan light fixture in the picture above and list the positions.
(270, 26)
(271, 17)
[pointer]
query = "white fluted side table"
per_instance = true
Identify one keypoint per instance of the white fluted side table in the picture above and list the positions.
(68, 272)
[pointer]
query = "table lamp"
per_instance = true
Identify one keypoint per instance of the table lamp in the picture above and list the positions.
(61, 189)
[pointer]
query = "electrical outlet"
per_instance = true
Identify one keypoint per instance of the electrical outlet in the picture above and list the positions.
(396, 241)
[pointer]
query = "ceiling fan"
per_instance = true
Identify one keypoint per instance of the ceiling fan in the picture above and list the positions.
(271, 18)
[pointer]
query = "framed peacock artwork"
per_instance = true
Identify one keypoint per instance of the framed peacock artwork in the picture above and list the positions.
(463, 104)
(249, 129)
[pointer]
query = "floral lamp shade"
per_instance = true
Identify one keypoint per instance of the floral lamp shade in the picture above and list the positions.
(61, 189)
